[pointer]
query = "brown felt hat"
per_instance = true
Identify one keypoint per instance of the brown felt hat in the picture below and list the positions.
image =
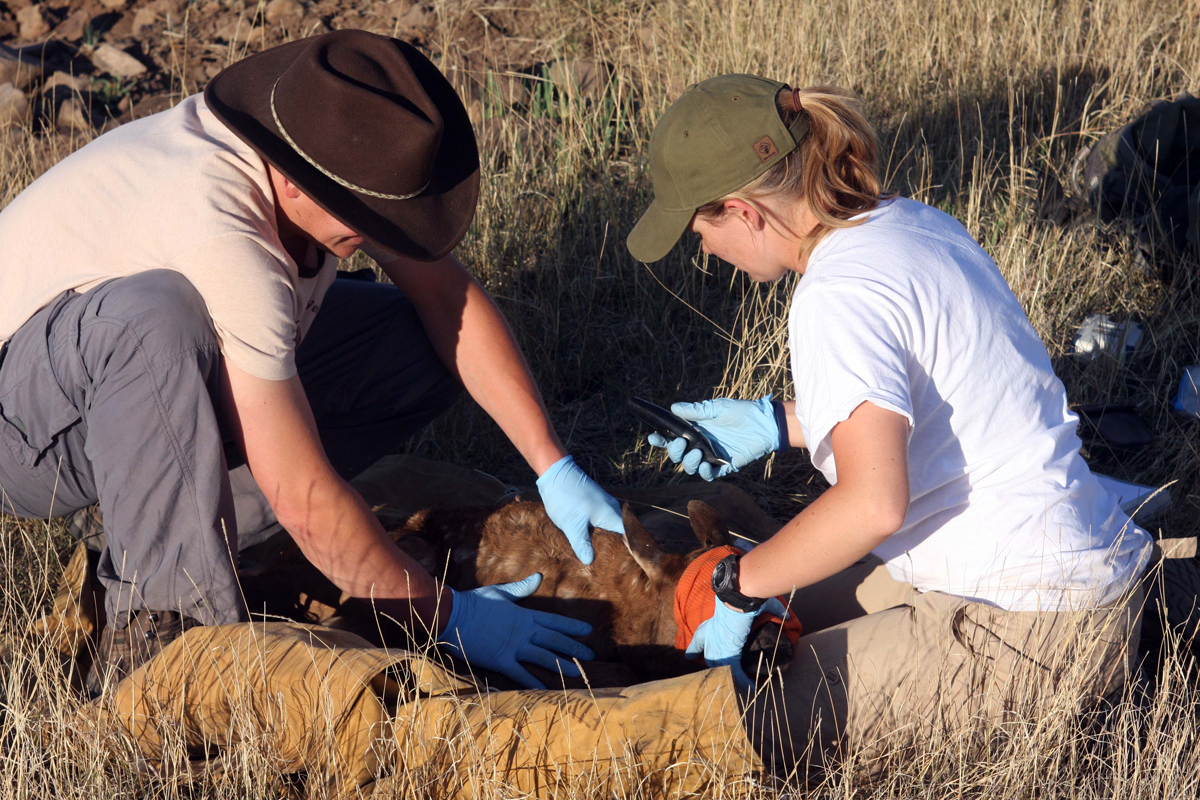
(368, 128)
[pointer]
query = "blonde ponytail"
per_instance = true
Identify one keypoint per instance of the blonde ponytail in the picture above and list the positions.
(835, 170)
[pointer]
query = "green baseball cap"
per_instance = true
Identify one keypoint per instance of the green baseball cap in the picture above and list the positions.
(720, 135)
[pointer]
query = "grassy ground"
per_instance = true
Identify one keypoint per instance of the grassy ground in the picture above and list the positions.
(977, 101)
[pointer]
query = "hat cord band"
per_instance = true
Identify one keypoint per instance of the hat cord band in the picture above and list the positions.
(335, 178)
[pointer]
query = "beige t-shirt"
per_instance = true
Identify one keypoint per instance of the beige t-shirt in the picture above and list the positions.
(176, 190)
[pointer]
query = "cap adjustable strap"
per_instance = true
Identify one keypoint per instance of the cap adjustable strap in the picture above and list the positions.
(800, 127)
(335, 178)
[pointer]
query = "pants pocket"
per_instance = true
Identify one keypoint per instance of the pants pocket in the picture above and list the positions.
(34, 410)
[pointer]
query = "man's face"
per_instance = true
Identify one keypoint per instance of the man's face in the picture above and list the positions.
(300, 217)
(321, 227)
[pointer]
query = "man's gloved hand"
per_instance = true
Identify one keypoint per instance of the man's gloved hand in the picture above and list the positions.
(722, 637)
(572, 500)
(742, 431)
(487, 629)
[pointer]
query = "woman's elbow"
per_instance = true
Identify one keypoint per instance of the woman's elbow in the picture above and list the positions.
(886, 516)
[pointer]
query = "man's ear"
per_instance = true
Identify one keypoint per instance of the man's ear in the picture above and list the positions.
(282, 185)
(745, 212)
(290, 189)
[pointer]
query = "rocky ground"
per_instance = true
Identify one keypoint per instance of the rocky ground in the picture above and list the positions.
(75, 65)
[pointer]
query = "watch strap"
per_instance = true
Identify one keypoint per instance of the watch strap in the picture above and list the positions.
(724, 584)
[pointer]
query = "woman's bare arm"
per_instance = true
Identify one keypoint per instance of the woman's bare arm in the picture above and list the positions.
(866, 506)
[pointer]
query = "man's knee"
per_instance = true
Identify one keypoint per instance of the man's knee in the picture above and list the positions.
(163, 310)
(416, 362)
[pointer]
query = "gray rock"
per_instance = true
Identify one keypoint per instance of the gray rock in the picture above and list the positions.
(76, 83)
(579, 78)
(71, 29)
(32, 21)
(396, 8)
(410, 17)
(14, 105)
(18, 69)
(311, 26)
(73, 114)
(283, 11)
(116, 62)
(238, 31)
(146, 17)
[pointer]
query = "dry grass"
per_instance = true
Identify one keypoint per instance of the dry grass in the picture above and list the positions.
(977, 101)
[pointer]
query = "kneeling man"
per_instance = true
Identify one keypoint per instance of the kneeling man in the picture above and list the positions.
(163, 354)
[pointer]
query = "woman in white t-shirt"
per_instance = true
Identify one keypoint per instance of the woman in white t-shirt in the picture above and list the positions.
(935, 578)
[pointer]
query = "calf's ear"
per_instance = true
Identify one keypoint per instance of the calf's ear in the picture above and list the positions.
(641, 544)
(708, 525)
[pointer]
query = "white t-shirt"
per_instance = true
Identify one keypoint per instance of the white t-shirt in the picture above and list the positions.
(176, 190)
(907, 312)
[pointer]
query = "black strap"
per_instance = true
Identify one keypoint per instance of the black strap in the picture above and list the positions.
(781, 421)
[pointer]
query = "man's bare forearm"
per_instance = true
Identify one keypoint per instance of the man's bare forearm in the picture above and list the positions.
(472, 338)
(328, 520)
(340, 536)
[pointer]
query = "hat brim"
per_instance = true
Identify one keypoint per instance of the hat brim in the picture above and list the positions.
(425, 227)
(657, 232)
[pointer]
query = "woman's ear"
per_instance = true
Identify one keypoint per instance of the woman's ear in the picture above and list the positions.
(740, 209)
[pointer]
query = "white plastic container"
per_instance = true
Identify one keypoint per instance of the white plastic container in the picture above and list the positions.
(1099, 334)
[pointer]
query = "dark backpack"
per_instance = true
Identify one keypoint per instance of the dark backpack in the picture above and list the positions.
(1147, 172)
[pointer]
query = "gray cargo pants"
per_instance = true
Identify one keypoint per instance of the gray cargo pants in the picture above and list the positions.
(110, 396)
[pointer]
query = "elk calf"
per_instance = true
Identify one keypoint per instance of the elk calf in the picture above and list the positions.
(627, 593)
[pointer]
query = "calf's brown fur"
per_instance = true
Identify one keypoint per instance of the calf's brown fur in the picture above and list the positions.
(627, 593)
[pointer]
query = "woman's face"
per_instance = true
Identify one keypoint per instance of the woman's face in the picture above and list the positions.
(742, 237)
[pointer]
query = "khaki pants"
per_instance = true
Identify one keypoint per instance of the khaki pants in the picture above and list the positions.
(882, 666)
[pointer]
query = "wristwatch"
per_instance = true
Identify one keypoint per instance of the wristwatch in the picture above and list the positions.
(725, 584)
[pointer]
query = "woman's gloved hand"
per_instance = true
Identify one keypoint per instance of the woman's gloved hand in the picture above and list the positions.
(487, 629)
(572, 500)
(722, 637)
(742, 431)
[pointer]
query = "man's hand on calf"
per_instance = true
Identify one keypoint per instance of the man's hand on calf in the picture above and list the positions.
(573, 500)
(487, 629)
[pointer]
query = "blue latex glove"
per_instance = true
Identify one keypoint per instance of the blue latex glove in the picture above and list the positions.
(722, 637)
(487, 629)
(742, 431)
(572, 500)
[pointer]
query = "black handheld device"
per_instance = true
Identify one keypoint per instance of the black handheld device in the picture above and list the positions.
(669, 426)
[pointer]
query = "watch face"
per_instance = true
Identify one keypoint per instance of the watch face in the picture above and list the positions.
(723, 576)
(724, 583)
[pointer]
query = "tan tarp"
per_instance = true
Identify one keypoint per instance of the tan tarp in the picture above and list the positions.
(311, 698)
(356, 719)
(666, 738)
(325, 703)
